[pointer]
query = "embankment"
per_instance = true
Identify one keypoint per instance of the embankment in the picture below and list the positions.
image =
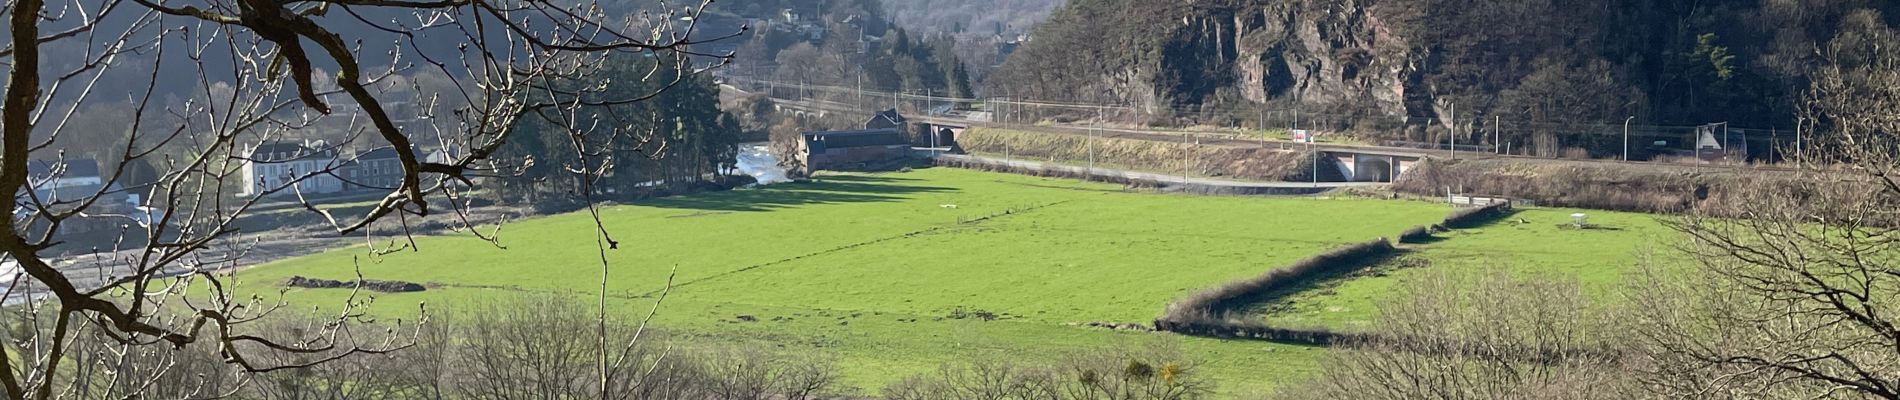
(1133, 180)
(1141, 155)
(1650, 188)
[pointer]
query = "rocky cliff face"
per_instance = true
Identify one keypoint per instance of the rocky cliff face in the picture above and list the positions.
(1223, 51)
(1319, 52)
(1541, 63)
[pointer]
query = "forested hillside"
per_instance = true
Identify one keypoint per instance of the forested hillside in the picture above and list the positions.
(844, 43)
(1748, 62)
(984, 30)
(993, 17)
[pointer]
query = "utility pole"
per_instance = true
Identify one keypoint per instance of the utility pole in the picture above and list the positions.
(1296, 120)
(1454, 131)
(1187, 154)
(1092, 129)
(1727, 149)
(1313, 148)
(1626, 137)
(1797, 138)
(1497, 134)
(1263, 127)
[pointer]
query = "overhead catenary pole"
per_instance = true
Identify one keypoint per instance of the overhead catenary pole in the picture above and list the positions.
(1187, 151)
(1626, 137)
(1092, 129)
(1728, 149)
(1314, 149)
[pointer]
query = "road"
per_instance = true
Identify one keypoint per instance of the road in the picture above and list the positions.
(1209, 184)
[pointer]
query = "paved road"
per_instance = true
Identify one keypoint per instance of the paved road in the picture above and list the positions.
(1236, 185)
(1205, 138)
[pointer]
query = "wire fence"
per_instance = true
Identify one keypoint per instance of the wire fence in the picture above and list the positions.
(1498, 134)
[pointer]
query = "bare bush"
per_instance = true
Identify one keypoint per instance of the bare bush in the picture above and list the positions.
(1478, 336)
(528, 348)
(752, 373)
(539, 347)
(1794, 301)
(1154, 371)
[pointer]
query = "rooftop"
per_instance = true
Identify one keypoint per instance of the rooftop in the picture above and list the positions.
(75, 168)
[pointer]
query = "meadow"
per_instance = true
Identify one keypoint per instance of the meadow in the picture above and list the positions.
(1530, 241)
(894, 274)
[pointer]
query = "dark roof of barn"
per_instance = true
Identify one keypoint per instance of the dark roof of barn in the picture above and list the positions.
(380, 153)
(278, 152)
(858, 138)
(75, 168)
(890, 115)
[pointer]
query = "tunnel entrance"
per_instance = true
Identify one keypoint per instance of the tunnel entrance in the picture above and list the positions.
(1372, 169)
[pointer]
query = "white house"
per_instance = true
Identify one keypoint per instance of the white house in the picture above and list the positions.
(273, 165)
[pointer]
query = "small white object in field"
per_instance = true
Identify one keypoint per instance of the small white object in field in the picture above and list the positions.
(949, 206)
(1579, 219)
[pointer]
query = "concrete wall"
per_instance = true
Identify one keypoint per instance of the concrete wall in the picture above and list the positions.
(1367, 167)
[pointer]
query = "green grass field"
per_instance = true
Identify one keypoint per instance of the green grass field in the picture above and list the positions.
(1531, 241)
(869, 268)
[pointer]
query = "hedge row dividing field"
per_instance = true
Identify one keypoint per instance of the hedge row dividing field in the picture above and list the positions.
(894, 274)
(1221, 311)
(1539, 241)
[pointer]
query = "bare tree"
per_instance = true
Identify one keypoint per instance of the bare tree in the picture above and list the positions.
(537, 348)
(216, 80)
(1797, 293)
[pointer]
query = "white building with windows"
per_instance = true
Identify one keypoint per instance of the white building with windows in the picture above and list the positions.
(311, 166)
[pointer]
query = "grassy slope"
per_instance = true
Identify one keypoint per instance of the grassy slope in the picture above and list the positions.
(1596, 258)
(1085, 252)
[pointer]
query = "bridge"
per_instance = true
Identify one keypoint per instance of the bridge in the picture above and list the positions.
(1371, 165)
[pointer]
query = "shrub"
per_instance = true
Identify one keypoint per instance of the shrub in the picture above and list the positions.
(1418, 234)
(1476, 216)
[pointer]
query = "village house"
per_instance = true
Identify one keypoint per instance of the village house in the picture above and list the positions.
(887, 119)
(851, 149)
(272, 165)
(63, 185)
(380, 168)
(882, 141)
